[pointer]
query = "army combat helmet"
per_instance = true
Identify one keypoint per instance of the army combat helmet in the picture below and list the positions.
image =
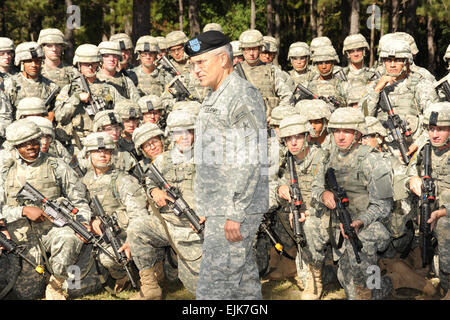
(355, 41)
(123, 39)
(51, 36)
(27, 51)
(6, 44)
(297, 50)
(293, 125)
(144, 133)
(438, 114)
(21, 131)
(347, 118)
(29, 106)
(98, 141)
(314, 110)
(86, 53)
(396, 49)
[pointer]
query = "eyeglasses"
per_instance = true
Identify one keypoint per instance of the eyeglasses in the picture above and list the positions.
(89, 65)
(33, 142)
(176, 49)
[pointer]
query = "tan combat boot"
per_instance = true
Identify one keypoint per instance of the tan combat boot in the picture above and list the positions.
(54, 290)
(312, 284)
(363, 293)
(150, 289)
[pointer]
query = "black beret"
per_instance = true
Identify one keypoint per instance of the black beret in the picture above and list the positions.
(205, 42)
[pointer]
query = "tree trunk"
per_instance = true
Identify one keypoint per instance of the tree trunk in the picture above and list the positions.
(395, 15)
(383, 17)
(313, 17)
(141, 19)
(68, 34)
(321, 21)
(252, 14)
(345, 16)
(411, 19)
(269, 17)
(194, 24)
(431, 44)
(181, 14)
(372, 35)
(354, 17)
(276, 35)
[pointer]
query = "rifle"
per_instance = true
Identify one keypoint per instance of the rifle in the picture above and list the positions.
(445, 87)
(95, 105)
(240, 71)
(305, 93)
(340, 75)
(50, 100)
(180, 206)
(399, 132)
(12, 247)
(75, 165)
(60, 213)
(345, 218)
(182, 93)
(295, 205)
(111, 230)
(264, 227)
(428, 190)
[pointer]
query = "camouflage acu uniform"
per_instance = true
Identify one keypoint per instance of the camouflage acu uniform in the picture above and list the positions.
(440, 173)
(232, 190)
(366, 177)
(120, 196)
(6, 114)
(54, 179)
(177, 167)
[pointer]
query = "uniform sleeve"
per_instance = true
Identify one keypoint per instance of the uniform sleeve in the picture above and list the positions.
(9, 213)
(132, 196)
(282, 88)
(66, 103)
(425, 95)
(6, 114)
(378, 173)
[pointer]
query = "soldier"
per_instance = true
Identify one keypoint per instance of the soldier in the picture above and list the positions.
(53, 43)
(31, 106)
(120, 195)
(29, 82)
(268, 79)
(153, 110)
(163, 228)
(294, 132)
(48, 142)
(6, 59)
(319, 42)
(151, 80)
(212, 26)
(366, 177)
(299, 56)
(269, 49)
(238, 56)
(148, 139)
(109, 121)
(6, 115)
(175, 41)
(111, 55)
(27, 223)
(327, 84)
(162, 47)
(318, 114)
(230, 190)
(409, 93)
(126, 48)
(131, 116)
(437, 121)
(74, 107)
(437, 85)
(357, 74)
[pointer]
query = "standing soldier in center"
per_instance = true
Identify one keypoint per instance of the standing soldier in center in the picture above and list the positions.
(268, 79)
(53, 68)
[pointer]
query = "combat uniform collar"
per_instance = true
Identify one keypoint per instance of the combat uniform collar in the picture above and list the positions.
(41, 157)
(214, 95)
(179, 157)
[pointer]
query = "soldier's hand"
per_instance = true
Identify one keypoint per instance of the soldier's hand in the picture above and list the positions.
(412, 148)
(95, 225)
(126, 248)
(302, 218)
(328, 199)
(415, 185)
(434, 217)
(201, 220)
(35, 214)
(89, 229)
(84, 97)
(383, 81)
(284, 193)
(160, 197)
(357, 224)
(233, 231)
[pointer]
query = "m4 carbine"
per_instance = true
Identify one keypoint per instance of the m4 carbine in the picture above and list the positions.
(296, 204)
(342, 202)
(180, 206)
(95, 104)
(305, 93)
(111, 230)
(428, 197)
